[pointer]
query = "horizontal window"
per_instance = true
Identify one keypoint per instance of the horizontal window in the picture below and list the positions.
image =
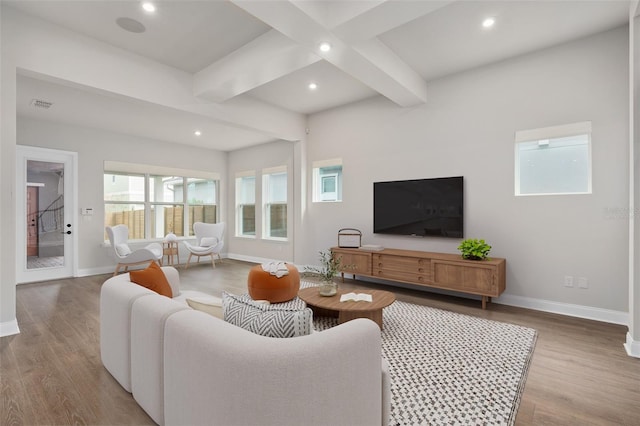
(154, 205)
(554, 160)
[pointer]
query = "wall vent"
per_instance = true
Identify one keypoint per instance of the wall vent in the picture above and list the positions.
(39, 103)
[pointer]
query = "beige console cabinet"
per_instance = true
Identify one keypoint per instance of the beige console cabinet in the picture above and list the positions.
(485, 278)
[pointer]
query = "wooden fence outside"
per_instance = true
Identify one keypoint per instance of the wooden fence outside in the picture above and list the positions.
(173, 219)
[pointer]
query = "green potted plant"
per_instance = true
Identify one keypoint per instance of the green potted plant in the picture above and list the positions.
(474, 249)
(329, 267)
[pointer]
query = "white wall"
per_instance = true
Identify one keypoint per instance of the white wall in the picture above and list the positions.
(632, 344)
(96, 146)
(8, 323)
(467, 128)
(256, 159)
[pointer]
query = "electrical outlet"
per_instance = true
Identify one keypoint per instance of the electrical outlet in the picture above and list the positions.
(568, 281)
(583, 282)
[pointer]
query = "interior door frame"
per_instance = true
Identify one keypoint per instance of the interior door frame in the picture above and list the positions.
(70, 159)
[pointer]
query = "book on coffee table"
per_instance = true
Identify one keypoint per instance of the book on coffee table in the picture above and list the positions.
(356, 297)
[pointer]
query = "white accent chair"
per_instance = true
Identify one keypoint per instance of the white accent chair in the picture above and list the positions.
(118, 237)
(209, 241)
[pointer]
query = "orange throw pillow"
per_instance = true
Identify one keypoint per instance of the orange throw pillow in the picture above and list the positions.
(152, 278)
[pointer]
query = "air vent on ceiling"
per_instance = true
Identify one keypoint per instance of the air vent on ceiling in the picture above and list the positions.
(39, 103)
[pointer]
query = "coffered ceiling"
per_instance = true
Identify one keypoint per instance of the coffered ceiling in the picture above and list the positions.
(267, 53)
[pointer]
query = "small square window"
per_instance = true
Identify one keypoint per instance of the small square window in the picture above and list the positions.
(327, 181)
(554, 160)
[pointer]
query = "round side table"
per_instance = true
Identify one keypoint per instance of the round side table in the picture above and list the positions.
(170, 249)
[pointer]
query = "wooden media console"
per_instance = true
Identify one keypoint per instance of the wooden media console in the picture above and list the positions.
(485, 278)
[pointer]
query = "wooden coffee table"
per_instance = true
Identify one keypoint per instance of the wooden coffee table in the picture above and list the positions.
(345, 311)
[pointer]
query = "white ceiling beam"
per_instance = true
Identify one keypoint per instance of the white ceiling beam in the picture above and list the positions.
(340, 11)
(381, 70)
(260, 61)
(316, 9)
(332, 13)
(387, 61)
(385, 17)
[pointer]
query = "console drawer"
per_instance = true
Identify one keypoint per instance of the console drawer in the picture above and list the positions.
(415, 265)
(402, 276)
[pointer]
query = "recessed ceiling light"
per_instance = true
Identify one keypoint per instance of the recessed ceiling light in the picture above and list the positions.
(313, 86)
(325, 47)
(489, 22)
(148, 6)
(197, 133)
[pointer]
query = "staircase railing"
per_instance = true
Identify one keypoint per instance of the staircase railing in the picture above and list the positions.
(52, 218)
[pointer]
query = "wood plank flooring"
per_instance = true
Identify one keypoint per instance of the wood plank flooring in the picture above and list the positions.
(51, 373)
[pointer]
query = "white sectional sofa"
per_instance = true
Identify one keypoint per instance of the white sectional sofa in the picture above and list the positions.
(185, 367)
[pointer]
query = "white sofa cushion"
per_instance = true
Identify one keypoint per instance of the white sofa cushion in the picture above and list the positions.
(210, 307)
(174, 280)
(116, 299)
(219, 374)
(148, 317)
(275, 320)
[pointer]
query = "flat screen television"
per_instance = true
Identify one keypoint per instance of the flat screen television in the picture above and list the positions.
(419, 207)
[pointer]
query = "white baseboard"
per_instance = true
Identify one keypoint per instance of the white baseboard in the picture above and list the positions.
(632, 346)
(9, 328)
(95, 271)
(579, 311)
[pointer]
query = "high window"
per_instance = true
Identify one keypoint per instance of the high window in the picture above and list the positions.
(327, 180)
(246, 204)
(153, 204)
(274, 199)
(553, 160)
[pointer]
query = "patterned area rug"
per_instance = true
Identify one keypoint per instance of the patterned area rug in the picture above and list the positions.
(451, 369)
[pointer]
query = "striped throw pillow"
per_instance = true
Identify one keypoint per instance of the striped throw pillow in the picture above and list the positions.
(271, 320)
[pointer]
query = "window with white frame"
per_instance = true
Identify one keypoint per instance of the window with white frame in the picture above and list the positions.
(327, 180)
(159, 201)
(246, 204)
(274, 199)
(553, 160)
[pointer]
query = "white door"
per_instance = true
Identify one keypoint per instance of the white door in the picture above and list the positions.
(46, 214)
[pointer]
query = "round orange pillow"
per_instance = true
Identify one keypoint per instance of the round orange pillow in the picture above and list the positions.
(264, 286)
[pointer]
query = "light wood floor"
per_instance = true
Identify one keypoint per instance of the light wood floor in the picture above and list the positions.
(51, 373)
